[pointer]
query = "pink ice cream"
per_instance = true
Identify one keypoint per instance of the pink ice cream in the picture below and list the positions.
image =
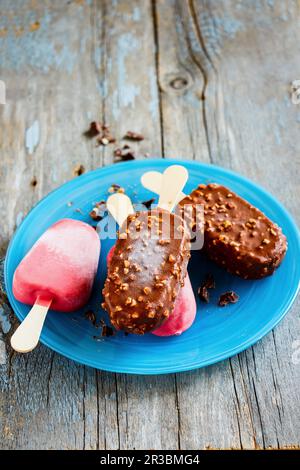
(183, 314)
(60, 266)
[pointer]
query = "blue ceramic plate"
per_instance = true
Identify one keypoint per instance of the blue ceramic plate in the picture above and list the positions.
(217, 333)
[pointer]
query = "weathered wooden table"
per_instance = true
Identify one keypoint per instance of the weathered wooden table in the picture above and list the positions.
(206, 80)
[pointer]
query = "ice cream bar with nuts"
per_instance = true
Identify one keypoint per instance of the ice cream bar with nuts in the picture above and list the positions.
(184, 313)
(237, 235)
(146, 271)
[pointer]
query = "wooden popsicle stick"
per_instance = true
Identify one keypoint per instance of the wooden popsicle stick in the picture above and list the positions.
(120, 207)
(173, 181)
(27, 335)
(152, 180)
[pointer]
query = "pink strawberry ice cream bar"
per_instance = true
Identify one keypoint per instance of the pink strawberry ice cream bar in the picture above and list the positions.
(183, 315)
(60, 267)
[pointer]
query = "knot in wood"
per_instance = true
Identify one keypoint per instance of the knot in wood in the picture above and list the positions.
(178, 82)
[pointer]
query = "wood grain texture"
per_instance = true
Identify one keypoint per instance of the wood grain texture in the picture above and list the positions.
(206, 80)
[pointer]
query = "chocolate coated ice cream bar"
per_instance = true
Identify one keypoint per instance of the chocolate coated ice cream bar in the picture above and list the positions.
(147, 270)
(237, 235)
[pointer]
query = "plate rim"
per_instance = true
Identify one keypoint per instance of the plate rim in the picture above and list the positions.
(173, 368)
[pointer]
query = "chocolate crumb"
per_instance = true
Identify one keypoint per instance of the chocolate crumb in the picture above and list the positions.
(107, 331)
(95, 129)
(95, 215)
(101, 205)
(133, 136)
(101, 132)
(90, 315)
(99, 210)
(124, 154)
(78, 170)
(209, 282)
(203, 294)
(229, 297)
(148, 203)
(116, 188)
